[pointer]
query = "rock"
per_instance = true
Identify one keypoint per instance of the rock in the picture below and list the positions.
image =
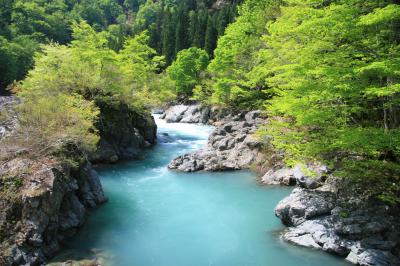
(90, 188)
(305, 240)
(158, 111)
(251, 116)
(230, 146)
(50, 201)
(362, 232)
(303, 180)
(124, 133)
(72, 212)
(372, 257)
(303, 204)
(283, 176)
(7, 125)
(175, 113)
(194, 113)
(352, 258)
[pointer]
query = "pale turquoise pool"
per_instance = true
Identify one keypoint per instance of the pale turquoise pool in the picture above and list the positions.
(155, 216)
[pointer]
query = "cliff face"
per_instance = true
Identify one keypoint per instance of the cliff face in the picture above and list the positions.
(41, 202)
(43, 199)
(123, 133)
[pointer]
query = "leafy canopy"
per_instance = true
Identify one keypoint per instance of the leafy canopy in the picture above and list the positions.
(186, 70)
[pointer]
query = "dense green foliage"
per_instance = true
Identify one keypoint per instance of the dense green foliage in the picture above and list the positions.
(335, 75)
(26, 24)
(62, 95)
(237, 54)
(177, 25)
(328, 73)
(186, 70)
(172, 26)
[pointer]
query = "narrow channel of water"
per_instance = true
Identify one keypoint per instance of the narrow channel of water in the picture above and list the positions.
(159, 217)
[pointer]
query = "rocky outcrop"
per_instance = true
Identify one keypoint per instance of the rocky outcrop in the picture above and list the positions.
(196, 113)
(7, 121)
(124, 133)
(43, 199)
(306, 176)
(41, 202)
(365, 233)
(232, 146)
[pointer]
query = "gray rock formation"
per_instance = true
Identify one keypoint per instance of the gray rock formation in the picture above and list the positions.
(196, 113)
(365, 233)
(282, 176)
(41, 202)
(232, 146)
(8, 118)
(298, 175)
(124, 134)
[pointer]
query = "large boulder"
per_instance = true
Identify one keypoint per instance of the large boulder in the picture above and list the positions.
(303, 204)
(282, 176)
(364, 232)
(175, 113)
(307, 181)
(197, 113)
(124, 133)
(43, 202)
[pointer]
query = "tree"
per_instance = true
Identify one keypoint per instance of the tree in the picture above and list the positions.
(187, 68)
(181, 33)
(237, 54)
(168, 37)
(210, 40)
(334, 71)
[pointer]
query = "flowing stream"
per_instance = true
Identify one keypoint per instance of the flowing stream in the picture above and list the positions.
(159, 217)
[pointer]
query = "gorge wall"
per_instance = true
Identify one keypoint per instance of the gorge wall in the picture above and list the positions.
(44, 199)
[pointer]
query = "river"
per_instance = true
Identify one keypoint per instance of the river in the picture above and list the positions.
(159, 217)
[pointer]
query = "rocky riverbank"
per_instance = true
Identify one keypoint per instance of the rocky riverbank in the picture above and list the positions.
(324, 214)
(44, 199)
(41, 202)
(231, 146)
(363, 232)
(319, 213)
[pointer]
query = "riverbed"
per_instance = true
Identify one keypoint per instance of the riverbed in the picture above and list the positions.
(155, 216)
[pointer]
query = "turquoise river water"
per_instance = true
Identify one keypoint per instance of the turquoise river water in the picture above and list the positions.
(159, 217)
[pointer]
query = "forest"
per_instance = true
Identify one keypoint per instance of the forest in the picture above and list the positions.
(326, 72)
(171, 25)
